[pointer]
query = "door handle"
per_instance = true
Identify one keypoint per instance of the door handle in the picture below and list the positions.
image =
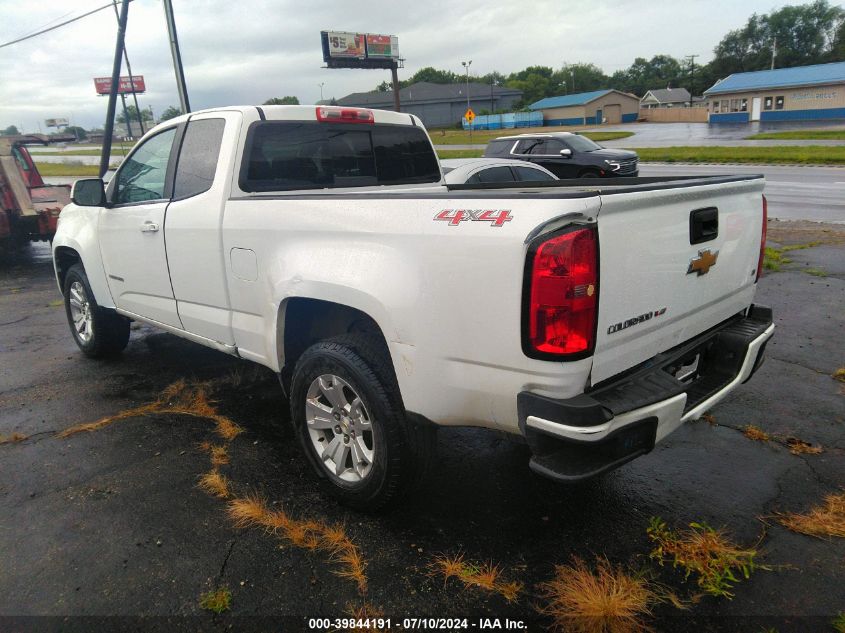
(149, 227)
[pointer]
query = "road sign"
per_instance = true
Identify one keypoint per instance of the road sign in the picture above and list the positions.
(469, 115)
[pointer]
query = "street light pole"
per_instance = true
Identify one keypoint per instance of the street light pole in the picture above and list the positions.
(321, 84)
(466, 65)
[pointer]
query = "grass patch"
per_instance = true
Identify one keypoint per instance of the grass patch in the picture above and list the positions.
(787, 155)
(14, 438)
(484, 575)
(822, 521)
(218, 453)
(462, 137)
(67, 169)
(459, 153)
(252, 511)
(801, 135)
(815, 272)
(215, 484)
(216, 601)
(838, 622)
(605, 599)
(775, 258)
(717, 563)
(179, 398)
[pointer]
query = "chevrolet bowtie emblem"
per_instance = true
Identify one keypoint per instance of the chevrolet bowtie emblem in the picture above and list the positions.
(703, 263)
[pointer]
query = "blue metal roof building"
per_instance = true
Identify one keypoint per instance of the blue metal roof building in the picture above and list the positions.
(782, 94)
(588, 108)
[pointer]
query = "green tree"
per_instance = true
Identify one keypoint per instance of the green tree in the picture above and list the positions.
(146, 115)
(661, 71)
(805, 34)
(282, 101)
(432, 75)
(170, 112)
(77, 131)
(12, 130)
(574, 78)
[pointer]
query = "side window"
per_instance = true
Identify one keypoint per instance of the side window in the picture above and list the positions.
(531, 146)
(530, 174)
(767, 103)
(554, 147)
(779, 103)
(495, 174)
(475, 179)
(142, 175)
(198, 157)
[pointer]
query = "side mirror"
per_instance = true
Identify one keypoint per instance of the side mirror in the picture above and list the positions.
(566, 153)
(90, 192)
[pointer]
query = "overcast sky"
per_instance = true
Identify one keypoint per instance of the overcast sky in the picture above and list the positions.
(247, 51)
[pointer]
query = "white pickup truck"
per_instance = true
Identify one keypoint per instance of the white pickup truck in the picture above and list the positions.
(590, 319)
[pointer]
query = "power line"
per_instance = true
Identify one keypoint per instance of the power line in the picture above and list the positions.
(53, 28)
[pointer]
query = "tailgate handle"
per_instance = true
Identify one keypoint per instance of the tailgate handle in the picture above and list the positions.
(703, 225)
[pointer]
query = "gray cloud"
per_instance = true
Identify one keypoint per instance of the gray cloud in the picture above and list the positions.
(248, 51)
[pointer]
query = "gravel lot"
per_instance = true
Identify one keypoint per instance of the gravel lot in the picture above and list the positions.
(111, 523)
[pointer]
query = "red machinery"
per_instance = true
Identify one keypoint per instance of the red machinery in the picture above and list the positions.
(29, 209)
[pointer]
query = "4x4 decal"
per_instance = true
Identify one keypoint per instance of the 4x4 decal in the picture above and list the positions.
(496, 217)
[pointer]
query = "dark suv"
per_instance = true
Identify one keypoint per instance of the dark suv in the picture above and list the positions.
(566, 155)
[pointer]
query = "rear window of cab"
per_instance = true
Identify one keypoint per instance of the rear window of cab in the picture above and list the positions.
(291, 155)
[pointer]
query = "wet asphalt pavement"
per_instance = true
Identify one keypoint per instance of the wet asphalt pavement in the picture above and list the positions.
(111, 523)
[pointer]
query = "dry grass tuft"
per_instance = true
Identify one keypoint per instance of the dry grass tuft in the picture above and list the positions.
(839, 374)
(218, 453)
(717, 562)
(216, 601)
(178, 398)
(14, 438)
(252, 511)
(824, 521)
(798, 446)
(486, 575)
(755, 433)
(215, 484)
(602, 600)
(709, 418)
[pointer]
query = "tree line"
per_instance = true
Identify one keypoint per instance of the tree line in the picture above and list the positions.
(799, 35)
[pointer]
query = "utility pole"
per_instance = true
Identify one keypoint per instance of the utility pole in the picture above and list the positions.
(177, 57)
(321, 84)
(691, 59)
(131, 81)
(115, 80)
(126, 115)
(466, 65)
(394, 77)
(774, 50)
(572, 77)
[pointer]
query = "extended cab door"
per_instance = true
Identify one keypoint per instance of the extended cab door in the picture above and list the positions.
(131, 234)
(194, 221)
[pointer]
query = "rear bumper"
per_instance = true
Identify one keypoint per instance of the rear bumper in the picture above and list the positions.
(625, 417)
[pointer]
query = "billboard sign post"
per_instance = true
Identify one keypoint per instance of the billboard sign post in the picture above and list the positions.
(344, 49)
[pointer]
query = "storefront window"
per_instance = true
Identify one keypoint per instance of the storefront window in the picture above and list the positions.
(715, 106)
(767, 103)
(743, 107)
(734, 105)
(779, 103)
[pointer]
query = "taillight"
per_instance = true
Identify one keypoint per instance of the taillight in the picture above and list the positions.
(334, 114)
(763, 239)
(561, 310)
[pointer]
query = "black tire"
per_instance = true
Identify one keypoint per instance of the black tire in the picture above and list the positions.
(401, 449)
(109, 332)
(589, 173)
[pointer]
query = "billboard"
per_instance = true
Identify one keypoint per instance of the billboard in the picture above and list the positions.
(342, 44)
(103, 85)
(343, 49)
(383, 46)
(60, 122)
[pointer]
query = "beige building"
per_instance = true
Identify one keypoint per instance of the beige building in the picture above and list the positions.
(784, 94)
(589, 108)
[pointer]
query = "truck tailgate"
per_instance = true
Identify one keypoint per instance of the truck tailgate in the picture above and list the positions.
(657, 288)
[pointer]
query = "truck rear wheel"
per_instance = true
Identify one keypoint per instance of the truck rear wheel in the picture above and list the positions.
(98, 332)
(347, 413)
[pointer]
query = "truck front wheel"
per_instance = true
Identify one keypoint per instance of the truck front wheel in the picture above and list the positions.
(98, 332)
(347, 413)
